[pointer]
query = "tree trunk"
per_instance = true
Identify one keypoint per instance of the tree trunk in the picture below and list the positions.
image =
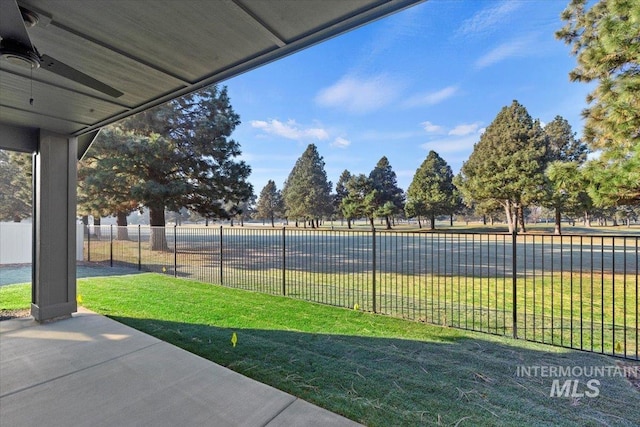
(373, 227)
(388, 222)
(273, 224)
(158, 238)
(558, 228)
(97, 231)
(587, 220)
(484, 220)
(123, 231)
(432, 220)
(451, 220)
(520, 218)
(419, 224)
(509, 214)
(349, 223)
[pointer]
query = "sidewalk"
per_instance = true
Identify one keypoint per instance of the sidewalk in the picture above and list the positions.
(93, 371)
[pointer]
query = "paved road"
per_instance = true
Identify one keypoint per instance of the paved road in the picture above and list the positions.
(10, 274)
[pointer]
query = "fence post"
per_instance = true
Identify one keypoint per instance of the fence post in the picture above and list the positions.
(139, 250)
(373, 285)
(284, 262)
(514, 282)
(175, 251)
(111, 245)
(221, 256)
(88, 244)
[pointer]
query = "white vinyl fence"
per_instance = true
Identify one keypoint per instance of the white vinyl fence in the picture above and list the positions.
(15, 242)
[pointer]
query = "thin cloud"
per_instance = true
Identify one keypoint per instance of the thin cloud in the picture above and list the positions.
(359, 95)
(486, 20)
(464, 129)
(431, 128)
(431, 98)
(459, 139)
(340, 142)
(510, 49)
(290, 130)
(452, 145)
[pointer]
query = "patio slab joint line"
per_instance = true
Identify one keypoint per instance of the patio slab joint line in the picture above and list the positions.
(277, 414)
(11, 393)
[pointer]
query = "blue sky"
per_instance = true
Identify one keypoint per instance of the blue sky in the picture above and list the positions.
(431, 77)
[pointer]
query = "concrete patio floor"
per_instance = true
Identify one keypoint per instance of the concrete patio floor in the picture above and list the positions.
(90, 370)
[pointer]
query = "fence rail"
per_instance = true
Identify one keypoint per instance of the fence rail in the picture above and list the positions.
(573, 291)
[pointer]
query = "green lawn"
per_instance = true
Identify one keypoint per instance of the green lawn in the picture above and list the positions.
(377, 370)
(568, 291)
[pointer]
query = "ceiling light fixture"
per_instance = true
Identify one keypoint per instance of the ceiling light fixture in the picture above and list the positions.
(18, 54)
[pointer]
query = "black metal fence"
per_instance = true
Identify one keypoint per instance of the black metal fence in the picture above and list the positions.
(572, 291)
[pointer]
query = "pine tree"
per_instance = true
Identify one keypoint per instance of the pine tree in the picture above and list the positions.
(15, 186)
(432, 192)
(307, 193)
(604, 39)
(562, 144)
(564, 185)
(270, 203)
(388, 199)
(567, 191)
(341, 193)
(104, 180)
(507, 164)
(180, 154)
(360, 199)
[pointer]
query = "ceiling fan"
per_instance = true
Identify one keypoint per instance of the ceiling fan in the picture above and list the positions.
(16, 47)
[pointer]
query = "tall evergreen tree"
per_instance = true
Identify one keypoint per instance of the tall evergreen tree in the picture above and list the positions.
(180, 155)
(565, 154)
(567, 191)
(360, 200)
(307, 193)
(562, 144)
(157, 182)
(270, 203)
(507, 164)
(105, 180)
(15, 186)
(604, 39)
(615, 182)
(341, 193)
(432, 192)
(389, 198)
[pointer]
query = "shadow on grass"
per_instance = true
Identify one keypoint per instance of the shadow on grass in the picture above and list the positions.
(456, 380)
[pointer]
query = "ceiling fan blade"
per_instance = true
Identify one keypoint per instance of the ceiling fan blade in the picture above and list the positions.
(12, 25)
(61, 69)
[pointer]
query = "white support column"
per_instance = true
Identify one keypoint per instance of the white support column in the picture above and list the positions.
(54, 222)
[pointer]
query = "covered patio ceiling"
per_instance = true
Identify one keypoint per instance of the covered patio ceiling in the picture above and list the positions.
(151, 51)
